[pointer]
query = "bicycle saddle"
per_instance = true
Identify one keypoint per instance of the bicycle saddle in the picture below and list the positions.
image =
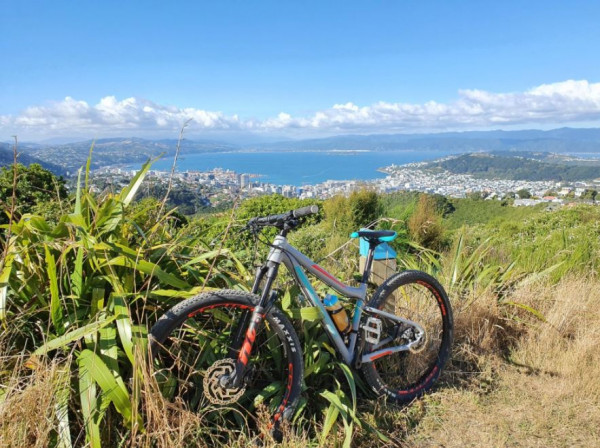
(375, 236)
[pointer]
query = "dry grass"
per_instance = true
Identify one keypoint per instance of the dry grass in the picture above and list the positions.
(513, 382)
(28, 405)
(168, 424)
(543, 387)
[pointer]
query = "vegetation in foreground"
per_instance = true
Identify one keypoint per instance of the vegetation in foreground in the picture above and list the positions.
(79, 288)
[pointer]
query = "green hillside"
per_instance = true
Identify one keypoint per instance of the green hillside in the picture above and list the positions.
(7, 158)
(492, 166)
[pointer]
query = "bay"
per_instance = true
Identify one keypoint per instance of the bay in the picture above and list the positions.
(300, 168)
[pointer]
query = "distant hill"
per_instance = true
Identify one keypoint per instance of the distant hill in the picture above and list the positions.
(71, 156)
(6, 158)
(556, 140)
(538, 167)
(113, 151)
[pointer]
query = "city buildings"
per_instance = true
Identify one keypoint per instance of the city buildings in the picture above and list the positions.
(219, 185)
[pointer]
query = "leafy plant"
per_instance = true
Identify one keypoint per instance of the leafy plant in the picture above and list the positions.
(88, 286)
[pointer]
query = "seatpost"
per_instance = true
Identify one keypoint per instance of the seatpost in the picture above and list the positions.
(368, 263)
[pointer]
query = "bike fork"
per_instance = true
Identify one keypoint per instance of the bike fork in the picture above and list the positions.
(235, 379)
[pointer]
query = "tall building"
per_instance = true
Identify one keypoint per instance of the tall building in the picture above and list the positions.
(244, 180)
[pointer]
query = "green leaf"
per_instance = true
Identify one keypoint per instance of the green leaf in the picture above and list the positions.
(531, 310)
(78, 194)
(97, 300)
(124, 325)
(456, 260)
(309, 314)
(316, 367)
(330, 418)
(267, 392)
(302, 403)
(4, 277)
(88, 165)
(151, 269)
(109, 215)
(539, 275)
(337, 402)
(89, 406)
(350, 378)
(55, 308)
(128, 193)
(345, 412)
(205, 256)
(72, 336)
(77, 277)
(101, 374)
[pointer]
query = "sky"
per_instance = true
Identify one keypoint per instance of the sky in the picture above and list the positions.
(295, 69)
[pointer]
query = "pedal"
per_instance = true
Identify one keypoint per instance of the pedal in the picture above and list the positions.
(372, 329)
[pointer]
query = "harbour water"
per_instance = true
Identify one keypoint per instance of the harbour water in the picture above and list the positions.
(300, 168)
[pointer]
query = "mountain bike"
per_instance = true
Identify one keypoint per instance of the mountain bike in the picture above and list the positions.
(225, 353)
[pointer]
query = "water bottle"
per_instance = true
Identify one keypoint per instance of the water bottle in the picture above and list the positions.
(337, 313)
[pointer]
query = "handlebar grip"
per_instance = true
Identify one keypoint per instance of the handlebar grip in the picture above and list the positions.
(271, 219)
(280, 219)
(305, 211)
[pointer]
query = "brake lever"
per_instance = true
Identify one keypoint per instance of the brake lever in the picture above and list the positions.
(291, 224)
(251, 227)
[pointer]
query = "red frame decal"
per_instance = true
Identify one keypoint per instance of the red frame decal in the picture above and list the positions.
(316, 267)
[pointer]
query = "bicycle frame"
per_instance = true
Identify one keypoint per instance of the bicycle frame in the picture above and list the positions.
(283, 253)
(294, 261)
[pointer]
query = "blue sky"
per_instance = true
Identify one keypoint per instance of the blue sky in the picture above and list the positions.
(281, 67)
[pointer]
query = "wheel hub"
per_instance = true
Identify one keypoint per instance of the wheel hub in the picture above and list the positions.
(214, 392)
(419, 341)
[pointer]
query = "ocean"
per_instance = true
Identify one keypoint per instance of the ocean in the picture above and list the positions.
(301, 168)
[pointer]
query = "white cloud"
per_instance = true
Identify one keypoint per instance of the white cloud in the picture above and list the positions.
(557, 103)
(112, 116)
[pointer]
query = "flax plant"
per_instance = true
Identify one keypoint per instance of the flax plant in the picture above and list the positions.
(86, 288)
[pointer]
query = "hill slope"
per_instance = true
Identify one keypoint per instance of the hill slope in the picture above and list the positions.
(7, 157)
(508, 166)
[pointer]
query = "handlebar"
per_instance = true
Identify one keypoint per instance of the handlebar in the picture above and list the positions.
(305, 211)
(282, 219)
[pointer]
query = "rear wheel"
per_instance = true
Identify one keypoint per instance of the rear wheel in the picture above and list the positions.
(405, 375)
(198, 341)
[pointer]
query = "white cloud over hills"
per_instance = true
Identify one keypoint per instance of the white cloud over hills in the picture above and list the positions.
(557, 103)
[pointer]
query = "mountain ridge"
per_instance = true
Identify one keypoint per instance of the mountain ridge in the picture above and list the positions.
(69, 157)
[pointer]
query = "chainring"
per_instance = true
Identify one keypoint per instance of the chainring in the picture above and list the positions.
(213, 390)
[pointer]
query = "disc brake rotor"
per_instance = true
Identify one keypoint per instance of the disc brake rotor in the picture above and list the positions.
(213, 390)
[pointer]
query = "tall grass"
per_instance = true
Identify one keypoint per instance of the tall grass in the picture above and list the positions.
(81, 293)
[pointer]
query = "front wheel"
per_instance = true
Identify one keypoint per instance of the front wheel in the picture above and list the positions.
(405, 375)
(198, 341)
